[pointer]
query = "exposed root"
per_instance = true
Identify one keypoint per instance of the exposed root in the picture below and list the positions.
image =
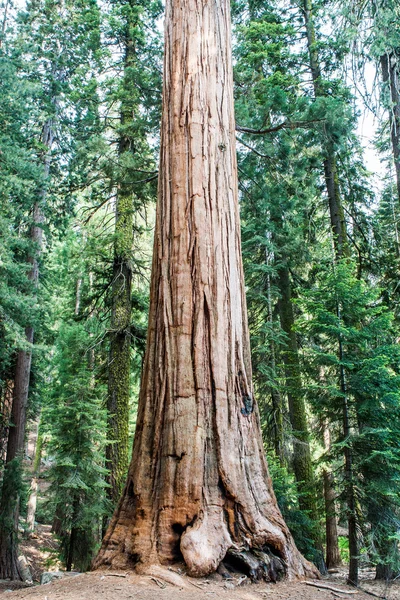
(171, 577)
(204, 545)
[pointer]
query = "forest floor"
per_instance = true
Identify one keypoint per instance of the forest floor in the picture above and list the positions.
(162, 584)
(40, 552)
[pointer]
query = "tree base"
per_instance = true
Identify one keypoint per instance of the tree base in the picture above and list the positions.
(258, 564)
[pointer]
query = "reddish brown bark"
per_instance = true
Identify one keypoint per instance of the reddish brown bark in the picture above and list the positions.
(198, 482)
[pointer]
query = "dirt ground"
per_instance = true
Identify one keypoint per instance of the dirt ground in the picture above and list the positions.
(40, 552)
(162, 584)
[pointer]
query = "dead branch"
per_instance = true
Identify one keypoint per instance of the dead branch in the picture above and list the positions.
(328, 587)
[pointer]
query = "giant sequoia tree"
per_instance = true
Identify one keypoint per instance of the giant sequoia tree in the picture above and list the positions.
(198, 483)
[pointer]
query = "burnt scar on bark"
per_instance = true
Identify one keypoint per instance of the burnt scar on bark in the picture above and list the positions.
(257, 564)
(248, 405)
(247, 399)
(177, 457)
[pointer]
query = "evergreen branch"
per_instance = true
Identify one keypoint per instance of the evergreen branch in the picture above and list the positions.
(253, 149)
(283, 125)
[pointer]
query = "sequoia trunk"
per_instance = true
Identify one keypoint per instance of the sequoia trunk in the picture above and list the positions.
(198, 483)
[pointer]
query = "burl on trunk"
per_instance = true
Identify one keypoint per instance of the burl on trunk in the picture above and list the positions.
(198, 483)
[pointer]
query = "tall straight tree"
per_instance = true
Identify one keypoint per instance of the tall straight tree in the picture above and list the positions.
(9, 565)
(60, 43)
(341, 249)
(390, 66)
(139, 103)
(336, 212)
(117, 450)
(198, 483)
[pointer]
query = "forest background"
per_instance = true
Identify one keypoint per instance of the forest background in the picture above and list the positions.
(79, 124)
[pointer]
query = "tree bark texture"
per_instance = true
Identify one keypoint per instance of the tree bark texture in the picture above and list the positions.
(32, 501)
(198, 483)
(5, 416)
(117, 452)
(390, 66)
(332, 543)
(277, 404)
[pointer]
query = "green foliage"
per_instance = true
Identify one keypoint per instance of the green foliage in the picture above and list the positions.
(76, 423)
(299, 523)
(344, 549)
(93, 73)
(342, 307)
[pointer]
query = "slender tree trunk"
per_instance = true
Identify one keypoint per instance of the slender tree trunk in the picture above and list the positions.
(348, 464)
(275, 395)
(9, 567)
(336, 212)
(6, 407)
(390, 66)
(72, 537)
(117, 452)
(32, 502)
(302, 464)
(332, 544)
(198, 481)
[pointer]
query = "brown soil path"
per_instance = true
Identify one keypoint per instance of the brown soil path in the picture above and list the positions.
(102, 585)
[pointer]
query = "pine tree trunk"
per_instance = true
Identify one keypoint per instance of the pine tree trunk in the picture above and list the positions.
(332, 543)
(390, 66)
(302, 464)
(117, 452)
(336, 212)
(277, 405)
(7, 393)
(348, 474)
(198, 482)
(72, 537)
(32, 501)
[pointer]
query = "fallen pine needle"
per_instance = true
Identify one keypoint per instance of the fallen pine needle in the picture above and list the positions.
(328, 587)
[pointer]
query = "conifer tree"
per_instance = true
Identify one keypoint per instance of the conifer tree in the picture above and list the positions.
(134, 158)
(76, 427)
(50, 74)
(198, 443)
(265, 70)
